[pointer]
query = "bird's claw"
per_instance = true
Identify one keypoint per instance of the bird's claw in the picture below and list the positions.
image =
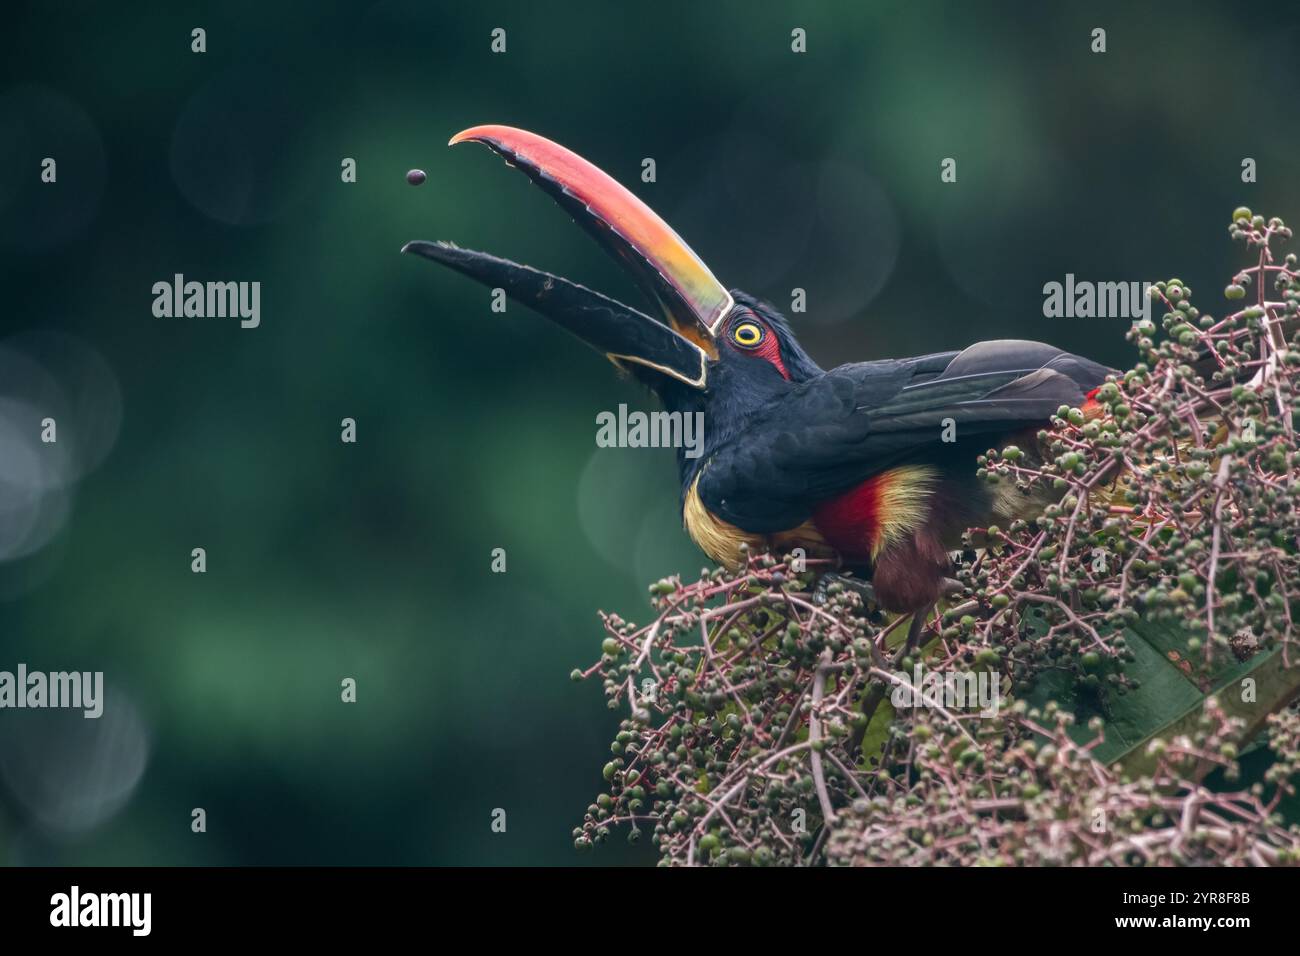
(864, 590)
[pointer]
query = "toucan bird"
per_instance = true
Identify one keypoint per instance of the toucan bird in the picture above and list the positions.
(849, 463)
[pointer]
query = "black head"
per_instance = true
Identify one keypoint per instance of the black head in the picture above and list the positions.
(756, 358)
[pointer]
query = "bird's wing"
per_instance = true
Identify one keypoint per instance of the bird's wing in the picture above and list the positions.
(856, 421)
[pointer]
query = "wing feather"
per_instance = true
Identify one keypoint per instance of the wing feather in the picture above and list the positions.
(853, 422)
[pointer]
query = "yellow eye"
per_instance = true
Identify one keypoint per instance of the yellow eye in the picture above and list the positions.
(747, 334)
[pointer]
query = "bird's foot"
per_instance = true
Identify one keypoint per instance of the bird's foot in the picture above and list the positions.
(864, 590)
(951, 587)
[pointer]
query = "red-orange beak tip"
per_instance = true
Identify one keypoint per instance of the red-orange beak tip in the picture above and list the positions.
(489, 135)
(693, 300)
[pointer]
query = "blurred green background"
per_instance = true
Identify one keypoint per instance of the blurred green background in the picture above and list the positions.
(476, 430)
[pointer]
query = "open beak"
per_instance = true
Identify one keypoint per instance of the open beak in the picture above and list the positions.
(691, 300)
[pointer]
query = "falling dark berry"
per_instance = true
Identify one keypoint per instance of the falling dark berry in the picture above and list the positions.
(416, 177)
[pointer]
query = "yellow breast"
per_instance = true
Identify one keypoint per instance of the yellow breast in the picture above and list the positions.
(722, 541)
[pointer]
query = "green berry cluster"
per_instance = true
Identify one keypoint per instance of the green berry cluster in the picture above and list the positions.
(1172, 499)
(759, 724)
(1028, 794)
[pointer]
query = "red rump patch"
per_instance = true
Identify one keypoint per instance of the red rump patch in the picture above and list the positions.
(1091, 407)
(849, 522)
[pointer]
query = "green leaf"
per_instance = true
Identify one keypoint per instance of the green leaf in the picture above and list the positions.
(1171, 695)
(877, 734)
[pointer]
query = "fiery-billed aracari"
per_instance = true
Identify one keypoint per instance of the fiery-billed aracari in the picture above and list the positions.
(850, 462)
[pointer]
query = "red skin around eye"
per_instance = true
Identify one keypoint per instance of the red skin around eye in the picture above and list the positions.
(771, 350)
